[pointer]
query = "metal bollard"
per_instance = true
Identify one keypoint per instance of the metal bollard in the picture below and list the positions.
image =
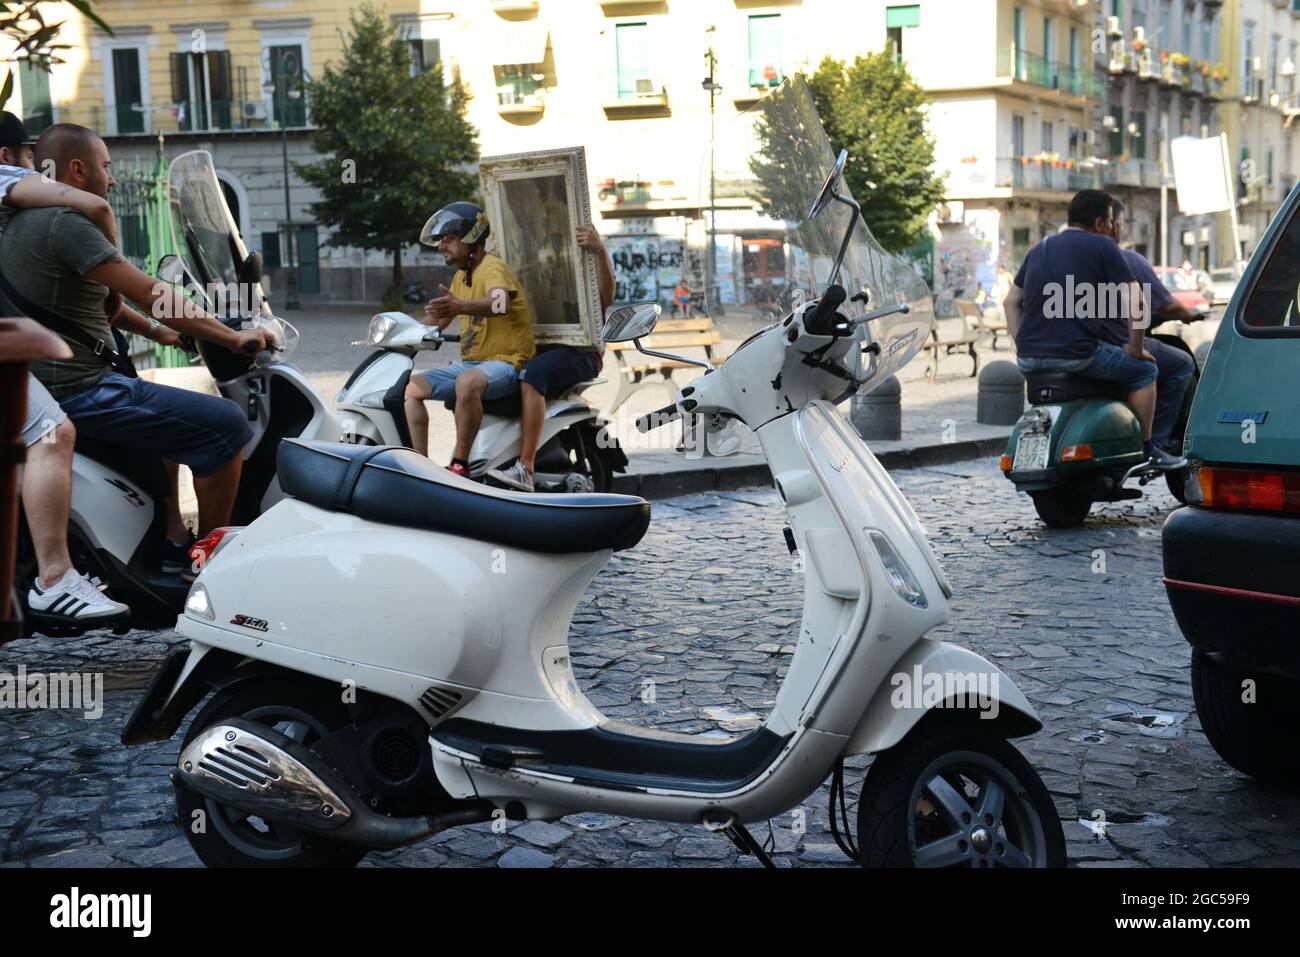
(1001, 394)
(878, 414)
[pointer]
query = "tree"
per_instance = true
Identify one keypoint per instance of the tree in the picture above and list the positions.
(875, 110)
(28, 37)
(396, 147)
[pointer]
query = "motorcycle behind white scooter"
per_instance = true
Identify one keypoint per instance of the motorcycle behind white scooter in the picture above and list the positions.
(448, 696)
(576, 452)
(118, 524)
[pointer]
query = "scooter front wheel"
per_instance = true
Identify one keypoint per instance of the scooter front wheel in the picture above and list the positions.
(956, 797)
(225, 836)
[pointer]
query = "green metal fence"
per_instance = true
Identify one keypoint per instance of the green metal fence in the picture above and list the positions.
(139, 202)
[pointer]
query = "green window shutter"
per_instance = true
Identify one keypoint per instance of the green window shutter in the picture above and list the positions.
(271, 250)
(38, 111)
(1117, 134)
(909, 16)
(765, 50)
(127, 91)
(633, 53)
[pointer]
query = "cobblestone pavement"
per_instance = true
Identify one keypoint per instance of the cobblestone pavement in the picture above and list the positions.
(707, 607)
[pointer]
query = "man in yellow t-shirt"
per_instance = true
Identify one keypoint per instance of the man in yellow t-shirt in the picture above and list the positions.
(496, 330)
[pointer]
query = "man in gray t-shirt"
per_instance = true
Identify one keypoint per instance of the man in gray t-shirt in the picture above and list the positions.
(56, 260)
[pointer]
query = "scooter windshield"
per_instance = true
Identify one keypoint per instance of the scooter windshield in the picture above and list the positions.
(214, 254)
(761, 177)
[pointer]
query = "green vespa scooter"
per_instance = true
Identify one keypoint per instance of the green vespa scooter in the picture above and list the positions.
(1079, 443)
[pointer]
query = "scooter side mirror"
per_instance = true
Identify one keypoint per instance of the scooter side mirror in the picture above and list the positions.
(624, 323)
(171, 270)
(251, 271)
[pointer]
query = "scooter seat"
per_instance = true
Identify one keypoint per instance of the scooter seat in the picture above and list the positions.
(1043, 387)
(397, 486)
(508, 406)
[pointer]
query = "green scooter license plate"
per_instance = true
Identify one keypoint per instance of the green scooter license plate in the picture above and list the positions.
(1031, 452)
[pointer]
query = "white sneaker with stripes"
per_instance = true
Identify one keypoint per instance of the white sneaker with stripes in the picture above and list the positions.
(75, 598)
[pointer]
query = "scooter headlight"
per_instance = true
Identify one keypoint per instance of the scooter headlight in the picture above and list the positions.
(380, 327)
(198, 605)
(900, 576)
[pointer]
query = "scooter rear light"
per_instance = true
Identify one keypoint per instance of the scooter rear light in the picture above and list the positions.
(1076, 453)
(1249, 489)
(203, 551)
(1004, 463)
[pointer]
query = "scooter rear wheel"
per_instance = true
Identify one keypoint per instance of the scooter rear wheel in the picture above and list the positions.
(223, 836)
(956, 797)
(1062, 507)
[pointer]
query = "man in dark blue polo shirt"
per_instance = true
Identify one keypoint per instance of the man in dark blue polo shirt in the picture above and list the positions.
(1173, 365)
(1076, 307)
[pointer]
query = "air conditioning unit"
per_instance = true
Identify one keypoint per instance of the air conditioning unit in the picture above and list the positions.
(953, 211)
(1113, 28)
(646, 88)
(1140, 34)
(1108, 122)
(254, 110)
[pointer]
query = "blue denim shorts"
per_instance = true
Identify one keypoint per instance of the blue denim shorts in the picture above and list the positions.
(556, 371)
(1110, 363)
(503, 378)
(202, 431)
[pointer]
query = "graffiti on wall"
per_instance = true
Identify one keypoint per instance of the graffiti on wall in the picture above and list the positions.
(645, 267)
(966, 253)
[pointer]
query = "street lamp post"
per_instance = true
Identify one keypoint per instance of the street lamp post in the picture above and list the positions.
(288, 68)
(710, 264)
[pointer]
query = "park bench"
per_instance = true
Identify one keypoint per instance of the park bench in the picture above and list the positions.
(954, 335)
(670, 335)
(991, 320)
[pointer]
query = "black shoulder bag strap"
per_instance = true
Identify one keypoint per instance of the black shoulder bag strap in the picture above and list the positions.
(56, 323)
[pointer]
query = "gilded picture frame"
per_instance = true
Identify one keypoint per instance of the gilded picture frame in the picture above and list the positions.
(535, 203)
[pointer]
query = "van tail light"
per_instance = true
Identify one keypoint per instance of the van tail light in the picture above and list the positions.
(202, 551)
(1004, 463)
(1076, 453)
(1249, 489)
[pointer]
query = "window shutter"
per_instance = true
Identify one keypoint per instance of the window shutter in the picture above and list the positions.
(180, 78)
(219, 74)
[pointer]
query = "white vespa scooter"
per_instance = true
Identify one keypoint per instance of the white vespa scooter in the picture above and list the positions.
(118, 524)
(572, 456)
(448, 697)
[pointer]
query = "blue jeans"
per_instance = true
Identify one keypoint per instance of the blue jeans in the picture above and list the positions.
(1110, 363)
(202, 431)
(503, 379)
(1174, 367)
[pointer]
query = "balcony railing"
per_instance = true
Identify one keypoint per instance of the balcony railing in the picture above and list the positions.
(1122, 172)
(219, 116)
(1032, 68)
(1043, 173)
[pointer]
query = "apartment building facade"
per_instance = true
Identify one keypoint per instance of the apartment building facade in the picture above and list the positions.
(1261, 42)
(624, 79)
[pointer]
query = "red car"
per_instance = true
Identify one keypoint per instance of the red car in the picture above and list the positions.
(1184, 288)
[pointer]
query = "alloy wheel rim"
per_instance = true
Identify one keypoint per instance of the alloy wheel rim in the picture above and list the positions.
(969, 810)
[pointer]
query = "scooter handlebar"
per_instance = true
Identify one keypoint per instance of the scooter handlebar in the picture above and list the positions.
(657, 418)
(819, 323)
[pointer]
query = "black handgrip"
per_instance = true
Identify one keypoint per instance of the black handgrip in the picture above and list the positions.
(657, 418)
(819, 323)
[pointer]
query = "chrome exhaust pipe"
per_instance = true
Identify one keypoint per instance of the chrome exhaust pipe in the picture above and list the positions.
(259, 770)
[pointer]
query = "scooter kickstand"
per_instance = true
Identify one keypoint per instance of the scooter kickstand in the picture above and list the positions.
(741, 837)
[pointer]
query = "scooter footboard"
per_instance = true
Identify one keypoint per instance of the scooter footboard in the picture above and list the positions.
(934, 675)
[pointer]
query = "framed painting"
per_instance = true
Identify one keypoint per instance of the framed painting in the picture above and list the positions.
(535, 203)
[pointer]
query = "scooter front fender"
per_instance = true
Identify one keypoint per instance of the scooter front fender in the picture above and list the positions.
(934, 675)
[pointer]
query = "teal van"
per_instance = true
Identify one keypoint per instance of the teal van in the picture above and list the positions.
(1232, 556)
